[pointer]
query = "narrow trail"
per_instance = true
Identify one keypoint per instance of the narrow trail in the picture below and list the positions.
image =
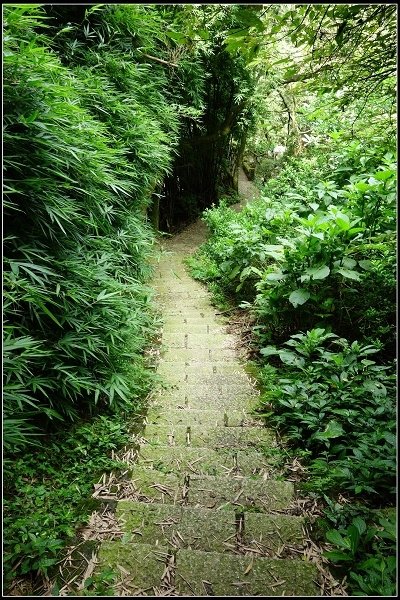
(205, 516)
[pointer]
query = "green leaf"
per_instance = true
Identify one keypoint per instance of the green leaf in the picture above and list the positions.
(103, 295)
(390, 438)
(234, 272)
(335, 537)
(320, 272)
(344, 224)
(354, 536)
(362, 186)
(365, 264)
(348, 273)
(332, 430)
(375, 387)
(176, 36)
(268, 351)
(291, 358)
(204, 34)
(275, 276)
(339, 33)
(384, 175)
(299, 297)
(360, 524)
(348, 263)
(250, 19)
(48, 312)
(273, 250)
(337, 556)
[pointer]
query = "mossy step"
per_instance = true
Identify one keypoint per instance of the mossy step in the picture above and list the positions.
(181, 296)
(207, 529)
(188, 312)
(198, 340)
(199, 355)
(198, 573)
(212, 396)
(188, 327)
(251, 493)
(201, 573)
(223, 493)
(218, 321)
(206, 461)
(193, 435)
(177, 372)
(200, 418)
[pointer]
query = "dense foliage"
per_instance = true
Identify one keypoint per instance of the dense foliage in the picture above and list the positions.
(320, 269)
(44, 504)
(84, 148)
(218, 87)
(120, 117)
(76, 309)
(313, 259)
(101, 104)
(317, 258)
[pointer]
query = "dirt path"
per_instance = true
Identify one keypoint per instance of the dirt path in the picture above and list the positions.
(246, 188)
(205, 513)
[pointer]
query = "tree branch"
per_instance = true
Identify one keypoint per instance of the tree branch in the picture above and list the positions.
(160, 60)
(305, 76)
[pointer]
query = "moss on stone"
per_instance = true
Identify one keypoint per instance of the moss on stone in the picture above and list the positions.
(144, 563)
(149, 523)
(190, 433)
(251, 494)
(228, 575)
(272, 531)
(178, 459)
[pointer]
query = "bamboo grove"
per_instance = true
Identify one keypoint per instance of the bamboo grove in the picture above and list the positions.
(92, 129)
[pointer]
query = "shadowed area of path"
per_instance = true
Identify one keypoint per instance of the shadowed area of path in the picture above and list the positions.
(207, 514)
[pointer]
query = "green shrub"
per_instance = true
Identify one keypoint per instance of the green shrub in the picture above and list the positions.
(43, 504)
(82, 155)
(340, 405)
(310, 254)
(365, 548)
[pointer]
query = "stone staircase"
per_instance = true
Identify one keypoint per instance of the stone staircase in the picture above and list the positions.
(205, 518)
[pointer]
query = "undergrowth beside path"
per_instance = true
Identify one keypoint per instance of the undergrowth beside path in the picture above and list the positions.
(332, 399)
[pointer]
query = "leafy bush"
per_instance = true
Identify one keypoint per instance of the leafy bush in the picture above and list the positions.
(44, 504)
(365, 549)
(310, 256)
(82, 155)
(340, 405)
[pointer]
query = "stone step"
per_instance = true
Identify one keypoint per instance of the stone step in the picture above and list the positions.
(147, 570)
(178, 373)
(255, 494)
(174, 292)
(207, 529)
(191, 434)
(214, 396)
(188, 326)
(199, 355)
(218, 321)
(203, 461)
(198, 340)
(200, 418)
